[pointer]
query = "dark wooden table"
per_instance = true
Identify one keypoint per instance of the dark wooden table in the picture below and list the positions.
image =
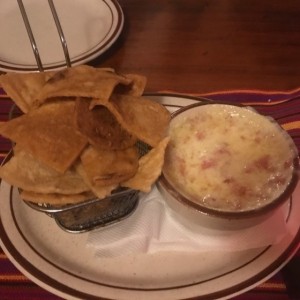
(208, 45)
(203, 46)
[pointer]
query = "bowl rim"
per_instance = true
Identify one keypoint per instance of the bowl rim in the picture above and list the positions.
(270, 206)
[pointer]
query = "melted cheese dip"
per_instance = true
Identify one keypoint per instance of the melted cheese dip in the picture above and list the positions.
(228, 158)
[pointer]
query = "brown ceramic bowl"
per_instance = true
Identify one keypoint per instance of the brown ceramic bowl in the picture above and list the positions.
(227, 166)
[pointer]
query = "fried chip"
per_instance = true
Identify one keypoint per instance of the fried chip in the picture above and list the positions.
(109, 167)
(23, 88)
(80, 134)
(100, 191)
(25, 172)
(145, 119)
(101, 127)
(56, 199)
(135, 88)
(150, 166)
(82, 81)
(49, 134)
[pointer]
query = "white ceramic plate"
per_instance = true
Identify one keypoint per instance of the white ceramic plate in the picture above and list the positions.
(61, 262)
(90, 28)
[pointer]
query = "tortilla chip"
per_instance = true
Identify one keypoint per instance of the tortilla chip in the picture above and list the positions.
(100, 191)
(135, 88)
(81, 134)
(22, 88)
(81, 81)
(101, 127)
(150, 166)
(109, 167)
(49, 134)
(145, 119)
(25, 172)
(56, 199)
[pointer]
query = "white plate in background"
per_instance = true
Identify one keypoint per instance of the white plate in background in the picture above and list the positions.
(90, 27)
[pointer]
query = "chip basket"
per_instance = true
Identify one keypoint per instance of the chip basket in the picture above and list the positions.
(93, 213)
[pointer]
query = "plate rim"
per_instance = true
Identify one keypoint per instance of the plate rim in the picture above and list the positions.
(50, 284)
(23, 264)
(87, 56)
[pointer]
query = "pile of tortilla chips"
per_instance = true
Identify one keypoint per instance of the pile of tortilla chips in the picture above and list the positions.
(77, 137)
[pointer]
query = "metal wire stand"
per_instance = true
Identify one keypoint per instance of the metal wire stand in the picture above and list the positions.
(32, 39)
(93, 213)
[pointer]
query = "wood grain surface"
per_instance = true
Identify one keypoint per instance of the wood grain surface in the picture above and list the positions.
(209, 45)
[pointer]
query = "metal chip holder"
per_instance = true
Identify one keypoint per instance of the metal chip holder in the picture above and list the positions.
(92, 213)
(32, 39)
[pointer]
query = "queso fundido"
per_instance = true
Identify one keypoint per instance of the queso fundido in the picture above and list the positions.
(228, 158)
